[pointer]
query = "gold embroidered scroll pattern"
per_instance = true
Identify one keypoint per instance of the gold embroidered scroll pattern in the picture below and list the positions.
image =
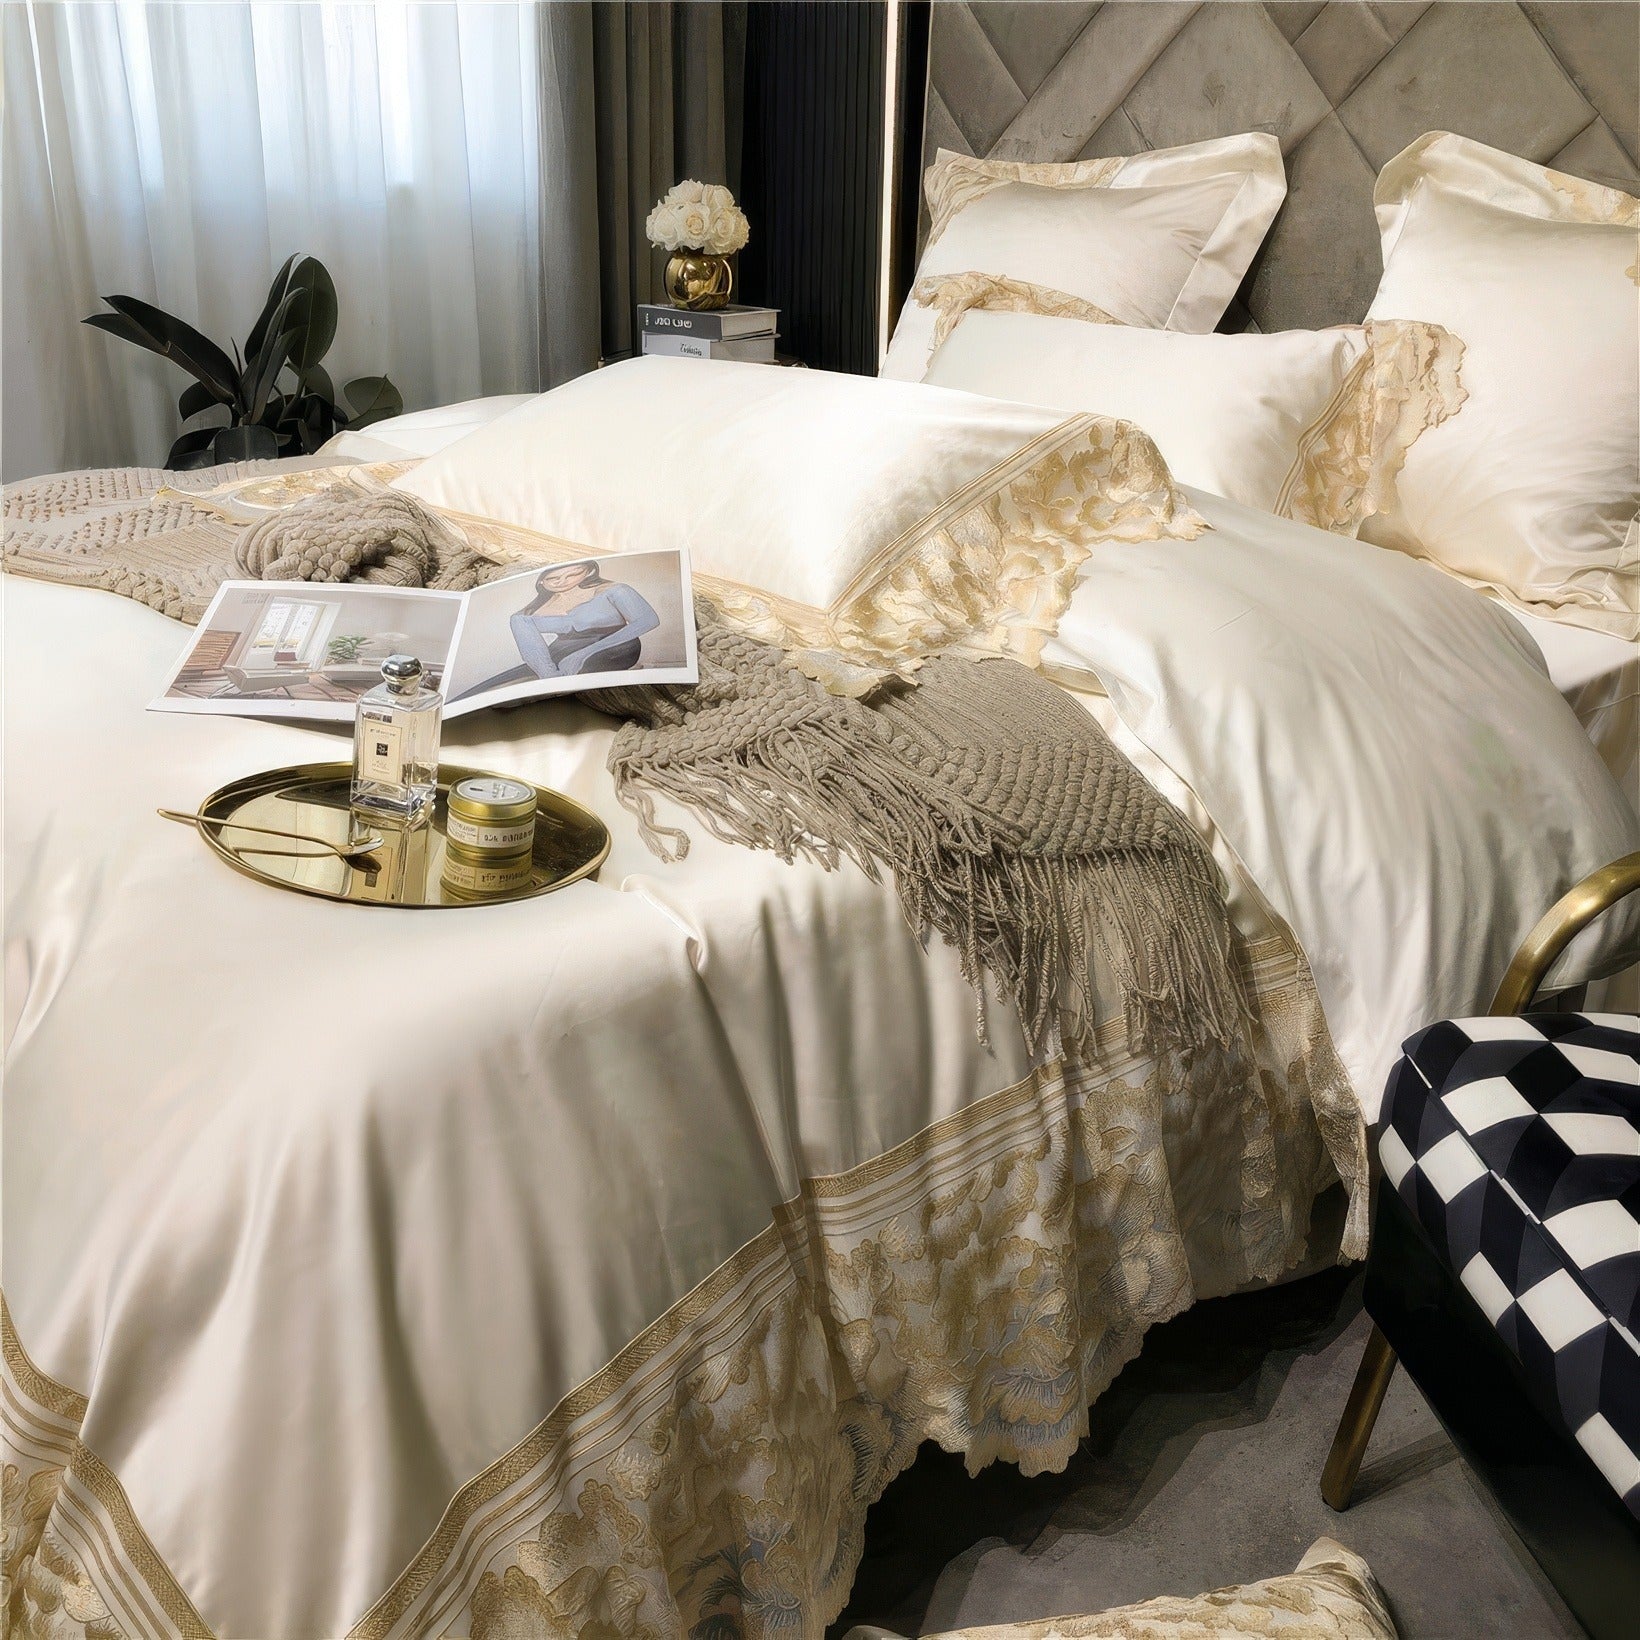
(951, 295)
(955, 181)
(1407, 381)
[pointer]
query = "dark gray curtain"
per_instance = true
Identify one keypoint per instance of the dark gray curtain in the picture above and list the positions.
(667, 81)
(632, 99)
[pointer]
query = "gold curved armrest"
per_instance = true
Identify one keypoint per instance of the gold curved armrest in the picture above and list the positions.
(1569, 915)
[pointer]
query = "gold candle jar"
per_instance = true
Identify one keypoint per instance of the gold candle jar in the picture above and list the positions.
(489, 816)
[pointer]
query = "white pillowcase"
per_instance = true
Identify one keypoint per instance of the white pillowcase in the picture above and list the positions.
(1160, 239)
(1533, 491)
(1310, 424)
(882, 520)
(420, 432)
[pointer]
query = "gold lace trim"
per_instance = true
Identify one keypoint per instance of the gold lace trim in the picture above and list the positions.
(1594, 202)
(1332, 1596)
(953, 295)
(979, 1284)
(73, 1558)
(955, 181)
(989, 572)
(1407, 381)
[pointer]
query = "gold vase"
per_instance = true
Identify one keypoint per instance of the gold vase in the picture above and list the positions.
(697, 280)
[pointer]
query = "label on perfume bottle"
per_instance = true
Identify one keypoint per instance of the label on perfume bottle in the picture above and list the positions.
(380, 754)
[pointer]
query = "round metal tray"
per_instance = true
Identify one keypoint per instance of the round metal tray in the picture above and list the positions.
(408, 868)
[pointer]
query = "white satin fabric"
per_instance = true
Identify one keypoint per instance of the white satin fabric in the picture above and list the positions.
(326, 1207)
(1533, 489)
(797, 482)
(421, 432)
(1227, 412)
(1163, 239)
(1379, 746)
(1598, 675)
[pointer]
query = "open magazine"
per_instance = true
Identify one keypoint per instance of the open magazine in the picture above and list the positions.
(300, 649)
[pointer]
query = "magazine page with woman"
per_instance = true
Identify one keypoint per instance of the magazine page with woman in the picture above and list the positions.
(309, 650)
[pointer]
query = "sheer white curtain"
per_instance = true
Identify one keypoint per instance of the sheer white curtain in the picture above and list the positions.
(180, 152)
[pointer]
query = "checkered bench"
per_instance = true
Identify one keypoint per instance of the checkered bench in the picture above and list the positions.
(1515, 1145)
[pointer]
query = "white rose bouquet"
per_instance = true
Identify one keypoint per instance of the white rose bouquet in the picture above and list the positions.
(696, 216)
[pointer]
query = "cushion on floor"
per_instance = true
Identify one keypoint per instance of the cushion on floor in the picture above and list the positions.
(1332, 1596)
(1515, 1143)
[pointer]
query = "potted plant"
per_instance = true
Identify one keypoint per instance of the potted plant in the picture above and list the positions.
(344, 651)
(279, 399)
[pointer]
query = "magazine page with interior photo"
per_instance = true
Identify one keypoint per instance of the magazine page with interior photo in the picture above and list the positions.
(297, 649)
(306, 650)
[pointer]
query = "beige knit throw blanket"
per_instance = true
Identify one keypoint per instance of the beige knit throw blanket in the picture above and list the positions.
(1005, 815)
(158, 537)
(1007, 819)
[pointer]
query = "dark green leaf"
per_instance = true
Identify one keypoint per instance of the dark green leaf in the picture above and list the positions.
(128, 330)
(287, 319)
(244, 444)
(177, 340)
(372, 398)
(264, 320)
(317, 423)
(190, 445)
(272, 363)
(197, 396)
(316, 380)
(309, 275)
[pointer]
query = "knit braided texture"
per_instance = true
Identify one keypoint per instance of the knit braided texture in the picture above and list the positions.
(1008, 820)
(166, 539)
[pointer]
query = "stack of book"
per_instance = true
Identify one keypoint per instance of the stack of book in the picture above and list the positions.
(733, 332)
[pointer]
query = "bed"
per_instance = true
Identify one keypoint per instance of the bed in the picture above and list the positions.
(589, 1265)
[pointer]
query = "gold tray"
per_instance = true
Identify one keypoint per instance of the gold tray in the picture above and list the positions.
(407, 870)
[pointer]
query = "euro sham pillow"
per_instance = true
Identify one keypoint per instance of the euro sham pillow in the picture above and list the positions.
(1533, 492)
(1161, 239)
(861, 524)
(1310, 424)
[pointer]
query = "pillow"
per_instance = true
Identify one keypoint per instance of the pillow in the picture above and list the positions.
(1331, 1596)
(1534, 490)
(881, 520)
(1310, 424)
(1159, 239)
(421, 432)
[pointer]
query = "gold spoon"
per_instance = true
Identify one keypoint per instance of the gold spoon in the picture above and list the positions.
(350, 852)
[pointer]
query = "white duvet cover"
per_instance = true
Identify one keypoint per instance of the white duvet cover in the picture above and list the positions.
(316, 1216)
(1382, 749)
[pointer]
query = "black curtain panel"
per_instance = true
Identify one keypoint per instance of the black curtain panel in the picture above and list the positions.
(811, 176)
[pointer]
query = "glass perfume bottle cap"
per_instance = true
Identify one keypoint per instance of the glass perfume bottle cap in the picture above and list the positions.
(402, 673)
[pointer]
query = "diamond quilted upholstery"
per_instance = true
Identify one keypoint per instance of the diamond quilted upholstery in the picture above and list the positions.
(1344, 85)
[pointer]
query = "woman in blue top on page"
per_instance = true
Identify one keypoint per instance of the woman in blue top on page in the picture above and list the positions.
(579, 622)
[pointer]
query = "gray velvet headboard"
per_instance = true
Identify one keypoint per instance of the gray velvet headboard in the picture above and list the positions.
(1345, 86)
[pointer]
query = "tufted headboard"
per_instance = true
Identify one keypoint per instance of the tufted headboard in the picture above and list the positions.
(1345, 86)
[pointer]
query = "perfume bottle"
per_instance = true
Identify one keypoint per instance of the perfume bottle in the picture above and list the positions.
(395, 744)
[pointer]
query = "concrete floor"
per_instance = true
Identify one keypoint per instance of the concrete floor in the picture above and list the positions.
(1201, 1470)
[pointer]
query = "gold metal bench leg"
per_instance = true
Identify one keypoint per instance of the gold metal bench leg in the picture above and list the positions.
(1355, 1427)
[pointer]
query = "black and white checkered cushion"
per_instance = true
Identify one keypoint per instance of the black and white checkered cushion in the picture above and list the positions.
(1515, 1143)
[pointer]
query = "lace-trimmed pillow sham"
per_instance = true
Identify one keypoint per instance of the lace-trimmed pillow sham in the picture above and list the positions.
(863, 525)
(1159, 239)
(1534, 491)
(1311, 424)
